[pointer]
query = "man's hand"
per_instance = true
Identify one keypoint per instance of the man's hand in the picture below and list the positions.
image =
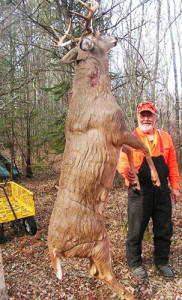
(133, 179)
(175, 195)
(130, 175)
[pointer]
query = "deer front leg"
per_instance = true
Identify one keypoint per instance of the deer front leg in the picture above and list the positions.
(133, 141)
(154, 174)
(135, 184)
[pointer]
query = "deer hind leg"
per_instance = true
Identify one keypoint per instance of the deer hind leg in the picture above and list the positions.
(56, 263)
(100, 268)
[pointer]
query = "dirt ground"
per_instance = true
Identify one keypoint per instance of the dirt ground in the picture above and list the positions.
(28, 272)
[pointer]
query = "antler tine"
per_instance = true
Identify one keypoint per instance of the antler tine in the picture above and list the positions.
(60, 41)
(92, 9)
(94, 5)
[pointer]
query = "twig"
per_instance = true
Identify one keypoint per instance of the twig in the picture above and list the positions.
(11, 12)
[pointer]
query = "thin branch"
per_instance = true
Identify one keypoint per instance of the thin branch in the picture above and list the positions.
(123, 38)
(170, 24)
(117, 23)
(11, 12)
(18, 87)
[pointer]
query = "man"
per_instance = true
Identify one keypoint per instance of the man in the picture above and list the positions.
(151, 201)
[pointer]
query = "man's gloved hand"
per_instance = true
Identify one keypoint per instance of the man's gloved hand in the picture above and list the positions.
(130, 175)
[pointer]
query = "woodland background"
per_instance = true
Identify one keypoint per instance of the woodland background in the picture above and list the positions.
(34, 87)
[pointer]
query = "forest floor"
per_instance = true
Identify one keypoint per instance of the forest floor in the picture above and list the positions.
(29, 274)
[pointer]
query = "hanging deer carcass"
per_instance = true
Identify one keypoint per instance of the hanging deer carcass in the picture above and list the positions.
(95, 132)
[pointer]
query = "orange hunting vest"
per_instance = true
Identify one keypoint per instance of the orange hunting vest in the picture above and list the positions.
(161, 145)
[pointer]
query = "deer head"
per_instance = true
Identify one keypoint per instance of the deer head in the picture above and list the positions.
(88, 42)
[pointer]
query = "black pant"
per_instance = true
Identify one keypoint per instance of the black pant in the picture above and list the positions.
(154, 203)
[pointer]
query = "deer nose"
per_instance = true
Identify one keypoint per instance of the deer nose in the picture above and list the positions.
(116, 40)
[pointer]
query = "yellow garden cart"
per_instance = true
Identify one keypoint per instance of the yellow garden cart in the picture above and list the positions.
(16, 206)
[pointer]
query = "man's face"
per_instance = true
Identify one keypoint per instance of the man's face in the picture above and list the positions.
(146, 121)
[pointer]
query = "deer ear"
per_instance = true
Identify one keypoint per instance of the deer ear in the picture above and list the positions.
(70, 57)
(86, 44)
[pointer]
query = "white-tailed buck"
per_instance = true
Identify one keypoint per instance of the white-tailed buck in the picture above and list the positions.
(95, 132)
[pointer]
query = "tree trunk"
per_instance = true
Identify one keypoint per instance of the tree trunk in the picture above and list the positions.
(12, 150)
(157, 52)
(180, 98)
(177, 107)
(29, 172)
(3, 295)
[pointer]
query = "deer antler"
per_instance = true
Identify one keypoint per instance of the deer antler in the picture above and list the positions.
(60, 41)
(91, 9)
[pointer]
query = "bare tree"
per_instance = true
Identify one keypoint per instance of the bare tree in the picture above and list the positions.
(177, 106)
(156, 51)
(3, 295)
(180, 66)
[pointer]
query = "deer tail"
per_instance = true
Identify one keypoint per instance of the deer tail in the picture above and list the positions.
(56, 263)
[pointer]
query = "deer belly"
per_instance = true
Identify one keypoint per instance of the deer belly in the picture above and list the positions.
(74, 229)
(86, 167)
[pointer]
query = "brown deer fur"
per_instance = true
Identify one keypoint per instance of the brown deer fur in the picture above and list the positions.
(95, 132)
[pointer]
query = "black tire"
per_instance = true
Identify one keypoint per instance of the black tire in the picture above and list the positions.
(2, 238)
(30, 225)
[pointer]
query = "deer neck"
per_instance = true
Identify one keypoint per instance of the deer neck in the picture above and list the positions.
(91, 76)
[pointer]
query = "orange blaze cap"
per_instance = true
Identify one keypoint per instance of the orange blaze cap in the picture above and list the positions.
(149, 106)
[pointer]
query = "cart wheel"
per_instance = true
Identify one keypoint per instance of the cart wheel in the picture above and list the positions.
(2, 239)
(30, 225)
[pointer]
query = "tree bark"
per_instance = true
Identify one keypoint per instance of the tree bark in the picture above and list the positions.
(157, 52)
(177, 107)
(3, 295)
(180, 98)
